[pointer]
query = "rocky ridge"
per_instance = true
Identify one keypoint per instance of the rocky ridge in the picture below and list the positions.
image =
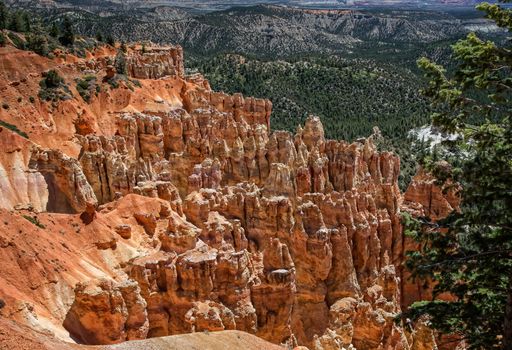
(170, 208)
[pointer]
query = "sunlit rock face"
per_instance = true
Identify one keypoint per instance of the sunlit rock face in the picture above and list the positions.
(177, 210)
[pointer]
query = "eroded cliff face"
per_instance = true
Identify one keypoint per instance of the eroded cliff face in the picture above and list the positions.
(196, 217)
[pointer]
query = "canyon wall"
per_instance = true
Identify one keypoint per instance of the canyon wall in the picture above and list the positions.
(177, 210)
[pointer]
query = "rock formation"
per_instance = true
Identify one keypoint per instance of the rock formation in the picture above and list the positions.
(185, 213)
(156, 62)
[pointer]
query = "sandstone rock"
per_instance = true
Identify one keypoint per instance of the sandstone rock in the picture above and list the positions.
(68, 189)
(147, 221)
(210, 316)
(156, 62)
(180, 236)
(110, 73)
(89, 214)
(435, 203)
(123, 230)
(107, 313)
(220, 233)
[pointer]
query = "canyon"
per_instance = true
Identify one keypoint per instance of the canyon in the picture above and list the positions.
(160, 208)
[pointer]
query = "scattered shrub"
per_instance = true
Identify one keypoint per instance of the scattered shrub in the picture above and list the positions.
(86, 86)
(52, 79)
(129, 83)
(120, 62)
(53, 88)
(35, 221)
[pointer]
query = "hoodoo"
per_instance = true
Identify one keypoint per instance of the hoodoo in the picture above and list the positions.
(159, 207)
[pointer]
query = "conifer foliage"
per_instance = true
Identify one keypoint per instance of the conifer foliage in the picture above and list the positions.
(468, 255)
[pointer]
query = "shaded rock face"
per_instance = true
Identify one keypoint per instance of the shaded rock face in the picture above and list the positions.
(198, 218)
(68, 189)
(430, 199)
(425, 198)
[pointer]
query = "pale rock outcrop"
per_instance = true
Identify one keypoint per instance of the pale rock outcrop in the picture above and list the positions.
(20, 185)
(209, 316)
(68, 189)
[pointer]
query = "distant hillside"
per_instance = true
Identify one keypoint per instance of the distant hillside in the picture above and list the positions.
(272, 31)
(267, 30)
(210, 5)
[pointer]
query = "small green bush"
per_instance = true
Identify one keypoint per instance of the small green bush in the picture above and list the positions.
(52, 79)
(120, 62)
(86, 86)
(53, 88)
(35, 221)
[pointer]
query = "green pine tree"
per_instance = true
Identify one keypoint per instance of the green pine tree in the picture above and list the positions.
(54, 30)
(110, 40)
(37, 40)
(99, 36)
(27, 24)
(469, 254)
(68, 35)
(4, 16)
(17, 22)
